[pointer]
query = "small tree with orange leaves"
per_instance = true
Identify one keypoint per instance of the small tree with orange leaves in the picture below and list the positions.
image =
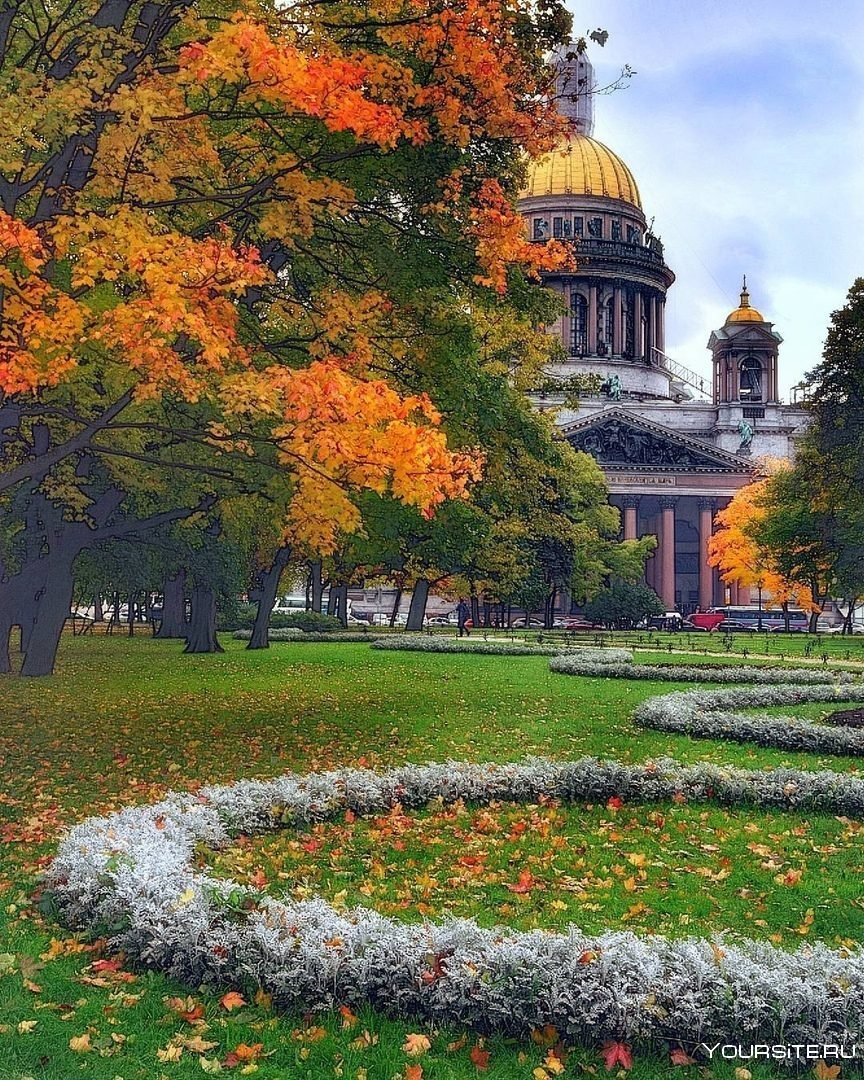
(741, 559)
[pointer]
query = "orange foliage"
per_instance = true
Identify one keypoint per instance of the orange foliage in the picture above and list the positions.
(340, 433)
(740, 559)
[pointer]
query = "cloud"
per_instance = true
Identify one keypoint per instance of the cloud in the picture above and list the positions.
(743, 126)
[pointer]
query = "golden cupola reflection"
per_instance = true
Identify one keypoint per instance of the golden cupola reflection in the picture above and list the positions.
(582, 166)
(744, 313)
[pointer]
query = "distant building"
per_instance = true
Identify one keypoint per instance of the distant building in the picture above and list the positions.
(673, 450)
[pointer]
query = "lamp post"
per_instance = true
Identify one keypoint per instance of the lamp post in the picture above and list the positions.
(759, 594)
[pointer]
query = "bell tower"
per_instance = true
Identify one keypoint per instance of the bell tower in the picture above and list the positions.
(744, 353)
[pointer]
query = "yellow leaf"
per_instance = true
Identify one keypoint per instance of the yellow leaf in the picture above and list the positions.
(416, 1044)
(172, 1052)
(210, 1065)
(26, 1026)
(826, 1072)
(80, 1043)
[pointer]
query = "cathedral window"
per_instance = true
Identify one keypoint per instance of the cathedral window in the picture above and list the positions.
(616, 229)
(568, 227)
(557, 227)
(577, 226)
(634, 236)
(609, 322)
(541, 229)
(595, 227)
(750, 379)
(578, 325)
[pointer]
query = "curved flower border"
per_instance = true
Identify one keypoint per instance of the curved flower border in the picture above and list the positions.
(703, 714)
(133, 871)
(499, 647)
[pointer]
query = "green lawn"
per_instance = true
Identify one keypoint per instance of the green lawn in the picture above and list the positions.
(124, 721)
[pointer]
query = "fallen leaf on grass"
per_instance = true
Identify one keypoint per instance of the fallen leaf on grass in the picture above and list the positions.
(616, 1053)
(232, 1000)
(480, 1058)
(416, 1044)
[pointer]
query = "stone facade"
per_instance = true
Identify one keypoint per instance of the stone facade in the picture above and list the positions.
(673, 449)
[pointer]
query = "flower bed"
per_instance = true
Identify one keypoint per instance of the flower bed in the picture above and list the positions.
(704, 714)
(498, 647)
(577, 664)
(132, 874)
(293, 634)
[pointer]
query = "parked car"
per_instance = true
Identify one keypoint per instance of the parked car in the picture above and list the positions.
(730, 626)
(530, 624)
(572, 624)
(669, 620)
(439, 620)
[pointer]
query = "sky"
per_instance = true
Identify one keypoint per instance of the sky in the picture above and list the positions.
(744, 128)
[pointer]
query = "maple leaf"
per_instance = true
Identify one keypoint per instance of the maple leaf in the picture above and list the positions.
(822, 1071)
(525, 883)
(480, 1058)
(615, 803)
(80, 1044)
(242, 1052)
(616, 1053)
(415, 1044)
(414, 1072)
(681, 1057)
(172, 1052)
(232, 1000)
(547, 1035)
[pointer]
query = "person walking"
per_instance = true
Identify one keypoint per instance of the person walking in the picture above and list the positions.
(463, 614)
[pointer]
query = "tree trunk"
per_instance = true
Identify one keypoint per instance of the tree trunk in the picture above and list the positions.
(49, 611)
(487, 614)
(317, 585)
(342, 604)
(267, 589)
(173, 623)
(785, 607)
(417, 610)
(396, 604)
(6, 625)
(131, 612)
(201, 636)
(549, 610)
(98, 613)
(475, 610)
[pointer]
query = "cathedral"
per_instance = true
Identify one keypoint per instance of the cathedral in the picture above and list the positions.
(673, 450)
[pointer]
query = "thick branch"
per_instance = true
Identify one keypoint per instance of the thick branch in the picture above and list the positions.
(37, 467)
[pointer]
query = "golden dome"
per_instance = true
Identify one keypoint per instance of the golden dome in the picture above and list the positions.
(582, 166)
(744, 313)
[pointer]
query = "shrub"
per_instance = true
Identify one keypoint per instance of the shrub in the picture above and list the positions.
(496, 647)
(312, 621)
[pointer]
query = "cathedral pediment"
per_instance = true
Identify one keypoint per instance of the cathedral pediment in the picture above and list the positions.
(618, 439)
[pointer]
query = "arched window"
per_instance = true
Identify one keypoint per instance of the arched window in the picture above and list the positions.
(609, 323)
(750, 379)
(578, 325)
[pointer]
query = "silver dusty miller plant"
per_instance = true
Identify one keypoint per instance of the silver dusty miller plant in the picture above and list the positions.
(132, 873)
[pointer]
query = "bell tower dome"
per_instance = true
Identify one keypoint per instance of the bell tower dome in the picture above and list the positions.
(744, 353)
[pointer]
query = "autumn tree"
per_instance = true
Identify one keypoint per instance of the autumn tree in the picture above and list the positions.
(207, 215)
(741, 554)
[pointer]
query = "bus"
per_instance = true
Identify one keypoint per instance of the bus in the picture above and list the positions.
(749, 618)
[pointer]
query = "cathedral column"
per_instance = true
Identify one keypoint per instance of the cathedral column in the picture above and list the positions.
(637, 325)
(631, 509)
(655, 320)
(592, 320)
(661, 325)
(567, 318)
(618, 327)
(667, 552)
(706, 572)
